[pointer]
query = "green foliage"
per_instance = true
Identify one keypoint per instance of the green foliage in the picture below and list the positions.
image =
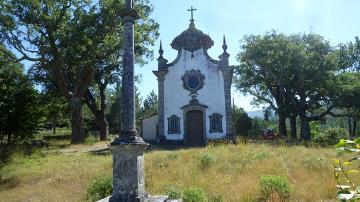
(173, 156)
(194, 195)
(330, 136)
(100, 188)
(257, 125)
(90, 140)
(19, 104)
(294, 74)
(206, 159)
(173, 192)
(150, 105)
(345, 169)
(73, 43)
(242, 122)
(273, 184)
(115, 110)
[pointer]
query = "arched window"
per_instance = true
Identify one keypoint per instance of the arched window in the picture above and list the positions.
(174, 124)
(216, 123)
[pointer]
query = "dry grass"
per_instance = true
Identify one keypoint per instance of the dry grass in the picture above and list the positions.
(233, 175)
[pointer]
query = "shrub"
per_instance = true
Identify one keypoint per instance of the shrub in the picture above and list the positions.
(100, 188)
(206, 159)
(173, 156)
(274, 187)
(173, 192)
(193, 195)
(330, 136)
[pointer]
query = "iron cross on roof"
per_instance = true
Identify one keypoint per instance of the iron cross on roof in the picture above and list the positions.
(192, 13)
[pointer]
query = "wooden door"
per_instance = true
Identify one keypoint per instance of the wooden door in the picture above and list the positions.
(194, 128)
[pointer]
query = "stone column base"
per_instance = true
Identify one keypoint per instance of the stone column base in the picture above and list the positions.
(128, 172)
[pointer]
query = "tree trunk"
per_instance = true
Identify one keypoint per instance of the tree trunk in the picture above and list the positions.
(103, 126)
(77, 133)
(354, 127)
(282, 125)
(54, 128)
(293, 126)
(350, 131)
(305, 128)
(9, 139)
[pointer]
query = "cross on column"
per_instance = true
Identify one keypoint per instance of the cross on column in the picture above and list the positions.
(192, 13)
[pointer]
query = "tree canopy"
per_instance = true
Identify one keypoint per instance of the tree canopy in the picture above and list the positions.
(19, 103)
(293, 74)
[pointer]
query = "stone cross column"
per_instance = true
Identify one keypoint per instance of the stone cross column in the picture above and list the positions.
(128, 148)
(128, 91)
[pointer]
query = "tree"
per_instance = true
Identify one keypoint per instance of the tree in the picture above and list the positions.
(150, 105)
(49, 33)
(262, 72)
(347, 99)
(108, 54)
(71, 42)
(348, 84)
(293, 74)
(242, 122)
(311, 79)
(55, 109)
(19, 103)
(115, 110)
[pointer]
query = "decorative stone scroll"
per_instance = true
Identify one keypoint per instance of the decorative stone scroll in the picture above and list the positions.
(193, 80)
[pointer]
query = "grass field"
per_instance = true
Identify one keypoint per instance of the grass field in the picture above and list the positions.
(233, 174)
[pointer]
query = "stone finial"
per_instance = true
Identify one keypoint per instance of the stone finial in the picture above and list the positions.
(224, 57)
(161, 51)
(224, 46)
(161, 60)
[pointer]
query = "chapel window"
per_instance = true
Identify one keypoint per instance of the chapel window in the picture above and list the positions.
(173, 125)
(216, 123)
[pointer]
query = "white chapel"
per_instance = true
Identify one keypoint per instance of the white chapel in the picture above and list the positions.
(193, 91)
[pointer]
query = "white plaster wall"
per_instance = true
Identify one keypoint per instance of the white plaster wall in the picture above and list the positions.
(212, 93)
(149, 127)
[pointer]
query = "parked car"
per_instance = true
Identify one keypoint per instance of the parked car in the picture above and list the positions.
(267, 134)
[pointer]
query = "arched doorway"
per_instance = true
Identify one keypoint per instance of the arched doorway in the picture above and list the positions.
(195, 128)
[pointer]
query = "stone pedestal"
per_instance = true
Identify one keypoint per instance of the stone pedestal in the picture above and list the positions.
(128, 172)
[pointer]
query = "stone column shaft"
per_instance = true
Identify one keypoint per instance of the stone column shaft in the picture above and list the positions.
(161, 80)
(128, 91)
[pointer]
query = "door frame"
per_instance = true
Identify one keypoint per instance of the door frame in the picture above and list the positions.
(194, 107)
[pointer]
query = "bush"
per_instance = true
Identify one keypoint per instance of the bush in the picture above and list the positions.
(193, 195)
(100, 188)
(206, 159)
(330, 136)
(274, 188)
(173, 192)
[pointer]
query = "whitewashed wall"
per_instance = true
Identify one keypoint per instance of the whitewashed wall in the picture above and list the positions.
(148, 128)
(212, 93)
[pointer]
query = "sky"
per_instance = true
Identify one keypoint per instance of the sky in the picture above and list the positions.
(336, 20)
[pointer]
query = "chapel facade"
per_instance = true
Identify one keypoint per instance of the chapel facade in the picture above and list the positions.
(194, 91)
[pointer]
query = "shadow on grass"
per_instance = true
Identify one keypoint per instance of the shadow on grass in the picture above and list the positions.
(8, 182)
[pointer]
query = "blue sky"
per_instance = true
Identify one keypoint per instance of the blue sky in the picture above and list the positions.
(337, 20)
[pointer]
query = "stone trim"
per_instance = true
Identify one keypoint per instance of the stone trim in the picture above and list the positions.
(161, 79)
(228, 74)
(176, 59)
(177, 129)
(194, 107)
(209, 58)
(218, 117)
(191, 40)
(190, 73)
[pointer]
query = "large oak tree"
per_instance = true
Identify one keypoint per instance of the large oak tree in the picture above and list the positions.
(71, 42)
